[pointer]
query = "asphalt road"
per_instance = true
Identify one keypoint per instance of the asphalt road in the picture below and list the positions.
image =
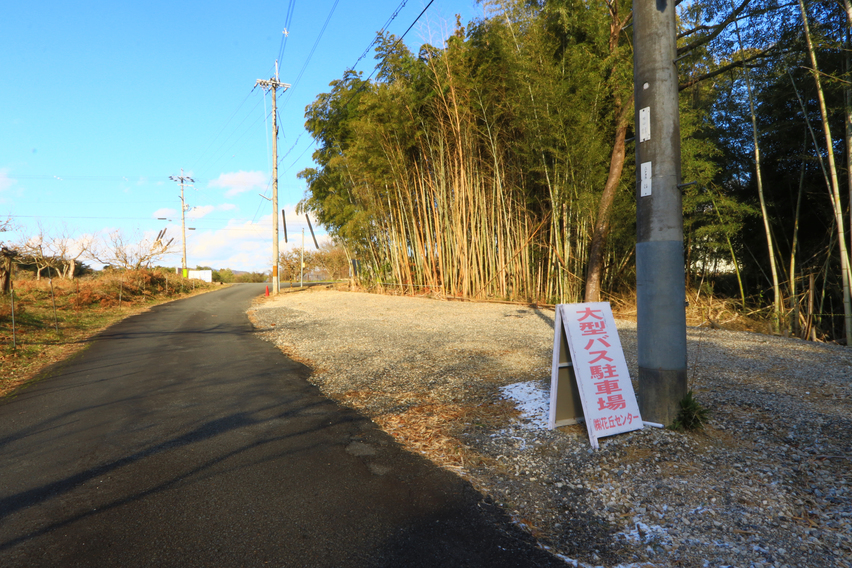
(179, 439)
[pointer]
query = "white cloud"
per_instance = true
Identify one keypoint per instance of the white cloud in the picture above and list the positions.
(5, 181)
(164, 212)
(240, 182)
(199, 212)
(245, 245)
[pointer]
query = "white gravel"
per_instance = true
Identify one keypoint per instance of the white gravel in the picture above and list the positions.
(767, 484)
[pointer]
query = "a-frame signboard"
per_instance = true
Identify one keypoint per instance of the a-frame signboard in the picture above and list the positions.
(589, 380)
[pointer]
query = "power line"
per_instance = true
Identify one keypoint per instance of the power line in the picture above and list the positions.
(308, 147)
(403, 35)
(216, 155)
(83, 217)
(288, 18)
(378, 35)
(287, 24)
(311, 53)
(196, 225)
(227, 122)
(129, 179)
(281, 159)
(396, 43)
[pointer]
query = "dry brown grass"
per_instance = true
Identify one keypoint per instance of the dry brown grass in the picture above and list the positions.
(430, 427)
(702, 311)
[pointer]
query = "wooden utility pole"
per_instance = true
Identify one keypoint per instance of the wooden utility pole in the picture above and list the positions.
(660, 282)
(183, 208)
(273, 85)
(302, 261)
(7, 260)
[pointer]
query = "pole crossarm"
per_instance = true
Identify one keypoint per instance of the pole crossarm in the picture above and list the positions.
(267, 84)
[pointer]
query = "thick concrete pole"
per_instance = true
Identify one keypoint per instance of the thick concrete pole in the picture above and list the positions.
(660, 283)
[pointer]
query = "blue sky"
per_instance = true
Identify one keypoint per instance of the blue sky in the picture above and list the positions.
(102, 101)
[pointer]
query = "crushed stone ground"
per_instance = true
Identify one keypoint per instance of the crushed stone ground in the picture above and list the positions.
(766, 484)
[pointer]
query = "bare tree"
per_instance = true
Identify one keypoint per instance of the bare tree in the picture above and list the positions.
(289, 263)
(332, 258)
(68, 250)
(116, 249)
(35, 250)
(6, 225)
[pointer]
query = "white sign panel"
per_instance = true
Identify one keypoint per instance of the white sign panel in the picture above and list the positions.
(599, 369)
(644, 124)
(645, 190)
(206, 275)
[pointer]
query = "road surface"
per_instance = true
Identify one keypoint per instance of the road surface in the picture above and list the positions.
(179, 439)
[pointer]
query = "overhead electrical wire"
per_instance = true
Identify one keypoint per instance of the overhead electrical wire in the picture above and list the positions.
(376, 68)
(266, 134)
(288, 18)
(363, 55)
(133, 179)
(290, 149)
(209, 144)
(378, 35)
(308, 147)
(287, 23)
(196, 227)
(311, 53)
(217, 156)
(219, 150)
(396, 43)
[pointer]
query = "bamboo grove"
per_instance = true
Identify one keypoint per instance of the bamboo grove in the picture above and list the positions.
(500, 163)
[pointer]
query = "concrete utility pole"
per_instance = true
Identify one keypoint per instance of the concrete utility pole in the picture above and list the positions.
(273, 85)
(660, 282)
(183, 207)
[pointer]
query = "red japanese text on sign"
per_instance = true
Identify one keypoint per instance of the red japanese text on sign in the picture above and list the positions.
(603, 380)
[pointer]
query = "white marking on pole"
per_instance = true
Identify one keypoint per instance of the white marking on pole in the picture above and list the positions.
(645, 190)
(644, 124)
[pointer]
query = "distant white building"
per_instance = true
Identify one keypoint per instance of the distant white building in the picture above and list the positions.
(206, 275)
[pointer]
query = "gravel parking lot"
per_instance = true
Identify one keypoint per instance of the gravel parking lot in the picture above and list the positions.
(767, 483)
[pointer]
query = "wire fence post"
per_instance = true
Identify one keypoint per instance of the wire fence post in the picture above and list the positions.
(53, 300)
(12, 296)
